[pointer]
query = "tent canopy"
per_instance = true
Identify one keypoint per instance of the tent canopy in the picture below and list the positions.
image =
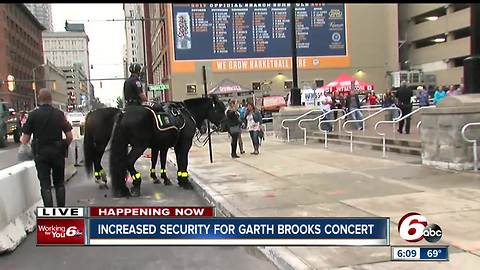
(343, 83)
(227, 86)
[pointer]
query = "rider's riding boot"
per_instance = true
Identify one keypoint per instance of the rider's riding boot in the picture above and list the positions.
(47, 197)
(60, 194)
(135, 189)
(166, 180)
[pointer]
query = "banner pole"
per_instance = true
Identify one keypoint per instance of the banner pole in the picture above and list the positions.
(208, 122)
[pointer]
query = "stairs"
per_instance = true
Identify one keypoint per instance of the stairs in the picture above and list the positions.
(398, 145)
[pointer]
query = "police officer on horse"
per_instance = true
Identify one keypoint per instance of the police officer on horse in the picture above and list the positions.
(132, 88)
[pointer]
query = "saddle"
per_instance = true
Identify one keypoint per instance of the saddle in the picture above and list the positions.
(167, 115)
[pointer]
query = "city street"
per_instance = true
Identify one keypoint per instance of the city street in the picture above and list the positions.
(8, 155)
(84, 192)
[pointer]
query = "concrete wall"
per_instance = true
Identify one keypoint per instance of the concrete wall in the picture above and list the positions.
(442, 142)
(373, 46)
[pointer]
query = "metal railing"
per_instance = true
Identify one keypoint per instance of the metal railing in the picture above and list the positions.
(394, 122)
(295, 119)
(474, 141)
(265, 124)
(339, 124)
(419, 124)
(363, 122)
(315, 119)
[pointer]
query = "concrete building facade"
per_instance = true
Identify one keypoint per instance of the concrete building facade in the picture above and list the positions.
(76, 85)
(43, 13)
(20, 52)
(372, 54)
(436, 39)
(56, 81)
(69, 50)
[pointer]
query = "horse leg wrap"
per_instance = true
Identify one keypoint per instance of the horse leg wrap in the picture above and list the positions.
(182, 178)
(164, 176)
(137, 178)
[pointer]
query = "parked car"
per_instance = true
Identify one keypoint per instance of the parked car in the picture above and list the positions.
(9, 124)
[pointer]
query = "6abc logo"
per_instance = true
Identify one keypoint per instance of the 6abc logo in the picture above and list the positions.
(413, 227)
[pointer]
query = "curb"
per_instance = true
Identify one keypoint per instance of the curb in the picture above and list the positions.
(282, 257)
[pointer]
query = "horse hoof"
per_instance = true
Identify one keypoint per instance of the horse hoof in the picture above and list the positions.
(167, 182)
(186, 185)
(156, 181)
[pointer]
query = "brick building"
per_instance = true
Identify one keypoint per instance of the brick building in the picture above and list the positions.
(20, 52)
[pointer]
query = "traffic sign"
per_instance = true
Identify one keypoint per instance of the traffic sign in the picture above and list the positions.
(158, 87)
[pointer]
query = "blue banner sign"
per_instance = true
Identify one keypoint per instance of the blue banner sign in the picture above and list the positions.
(239, 231)
(257, 30)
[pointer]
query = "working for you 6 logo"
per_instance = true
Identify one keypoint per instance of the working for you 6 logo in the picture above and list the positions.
(414, 227)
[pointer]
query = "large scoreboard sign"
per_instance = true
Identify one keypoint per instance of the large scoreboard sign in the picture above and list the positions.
(257, 36)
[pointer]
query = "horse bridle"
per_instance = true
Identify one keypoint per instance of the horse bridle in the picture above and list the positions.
(198, 134)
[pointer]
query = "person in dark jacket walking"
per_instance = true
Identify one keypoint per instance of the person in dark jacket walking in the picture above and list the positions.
(404, 97)
(352, 104)
(47, 124)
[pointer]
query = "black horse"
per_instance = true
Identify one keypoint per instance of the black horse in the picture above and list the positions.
(136, 126)
(98, 129)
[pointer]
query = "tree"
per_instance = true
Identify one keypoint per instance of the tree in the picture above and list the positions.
(119, 102)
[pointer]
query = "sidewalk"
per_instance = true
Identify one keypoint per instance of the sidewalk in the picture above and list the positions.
(296, 180)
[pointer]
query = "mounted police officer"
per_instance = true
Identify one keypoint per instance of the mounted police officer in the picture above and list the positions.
(49, 150)
(132, 88)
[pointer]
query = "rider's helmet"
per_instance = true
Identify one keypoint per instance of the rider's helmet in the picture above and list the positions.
(135, 68)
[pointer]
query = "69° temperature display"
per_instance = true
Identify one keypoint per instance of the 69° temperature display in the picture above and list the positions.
(424, 253)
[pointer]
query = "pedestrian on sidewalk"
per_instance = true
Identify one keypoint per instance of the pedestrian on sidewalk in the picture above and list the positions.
(404, 96)
(389, 101)
(234, 123)
(372, 99)
(439, 95)
(254, 120)
(325, 106)
(353, 104)
(47, 123)
(422, 97)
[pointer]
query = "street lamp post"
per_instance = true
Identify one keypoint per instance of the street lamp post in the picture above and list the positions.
(34, 84)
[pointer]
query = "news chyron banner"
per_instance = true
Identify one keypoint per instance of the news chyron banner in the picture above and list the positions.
(190, 226)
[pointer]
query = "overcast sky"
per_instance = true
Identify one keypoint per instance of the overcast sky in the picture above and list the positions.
(106, 42)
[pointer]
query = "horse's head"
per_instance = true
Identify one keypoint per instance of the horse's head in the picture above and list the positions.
(216, 113)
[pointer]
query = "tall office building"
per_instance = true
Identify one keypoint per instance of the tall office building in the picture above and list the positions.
(69, 50)
(20, 54)
(134, 33)
(43, 13)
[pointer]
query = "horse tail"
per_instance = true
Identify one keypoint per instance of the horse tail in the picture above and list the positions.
(118, 157)
(88, 147)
